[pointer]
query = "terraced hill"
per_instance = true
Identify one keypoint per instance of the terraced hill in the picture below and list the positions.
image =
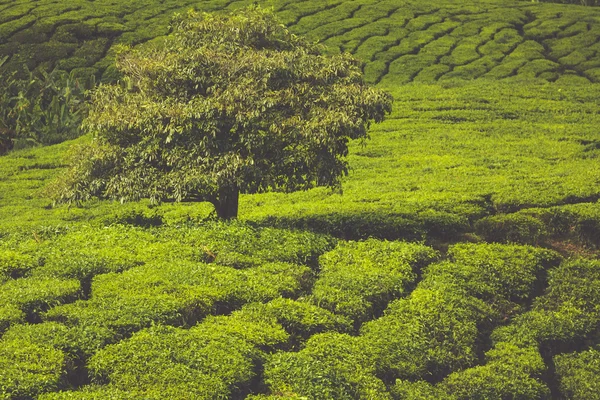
(401, 41)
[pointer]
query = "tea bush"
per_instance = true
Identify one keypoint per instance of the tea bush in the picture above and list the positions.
(437, 328)
(510, 372)
(564, 317)
(299, 318)
(496, 273)
(511, 228)
(578, 374)
(28, 297)
(215, 359)
(495, 139)
(418, 390)
(358, 279)
(14, 265)
(428, 334)
(330, 366)
(175, 293)
(28, 369)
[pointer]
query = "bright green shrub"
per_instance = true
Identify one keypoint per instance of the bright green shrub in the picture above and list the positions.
(299, 318)
(28, 369)
(288, 395)
(77, 343)
(511, 372)
(352, 224)
(473, 69)
(430, 333)
(10, 315)
(331, 366)
(511, 228)
(505, 69)
(178, 293)
(215, 359)
(576, 222)
(538, 67)
(83, 265)
(567, 313)
(358, 279)
(242, 245)
(14, 264)
(35, 295)
(96, 392)
(579, 374)
(418, 390)
(494, 273)
(431, 73)
(270, 281)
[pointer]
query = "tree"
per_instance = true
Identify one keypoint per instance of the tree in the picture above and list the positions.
(226, 104)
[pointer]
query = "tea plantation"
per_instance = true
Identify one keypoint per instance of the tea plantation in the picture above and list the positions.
(461, 260)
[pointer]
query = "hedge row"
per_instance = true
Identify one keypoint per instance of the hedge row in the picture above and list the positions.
(218, 358)
(359, 279)
(438, 329)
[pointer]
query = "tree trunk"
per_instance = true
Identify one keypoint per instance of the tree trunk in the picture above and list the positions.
(227, 203)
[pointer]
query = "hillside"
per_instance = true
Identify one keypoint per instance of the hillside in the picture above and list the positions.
(460, 261)
(401, 42)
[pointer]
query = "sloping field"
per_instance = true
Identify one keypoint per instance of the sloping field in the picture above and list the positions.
(461, 260)
(401, 41)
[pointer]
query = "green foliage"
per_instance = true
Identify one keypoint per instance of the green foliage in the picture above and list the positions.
(212, 360)
(331, 366)
(435, 330)
(430, 333)
(495, 273)
(180, 293)
(418, 390)
(567, 313)
(28, 369)
(299, 318)
(358, 279)
(14, 264)
(510, 372)
(40, 108)
(511, 228)
(508, 161)
(578, 374)
(226, 104)
(33, 296)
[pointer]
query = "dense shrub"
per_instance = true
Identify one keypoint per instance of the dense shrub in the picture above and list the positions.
(331, 366)
(578, 374)
(496, 273)
(358, 279)
(299, 318)
(213, 360)
(176, 293)
(511, 228)
(418, 390)
(566, 315)
(33, 296)
(28, 369)
(427, 335)
(510, 372)
(14, 264)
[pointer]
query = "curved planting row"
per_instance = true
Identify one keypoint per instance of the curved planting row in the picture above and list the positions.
(483, 321)
(400, 41)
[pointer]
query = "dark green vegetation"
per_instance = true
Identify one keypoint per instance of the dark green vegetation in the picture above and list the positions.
(459, 262)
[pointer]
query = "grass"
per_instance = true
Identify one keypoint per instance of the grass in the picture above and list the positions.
(458, 262)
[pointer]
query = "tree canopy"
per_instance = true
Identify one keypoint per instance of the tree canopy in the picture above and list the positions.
(226, 104)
